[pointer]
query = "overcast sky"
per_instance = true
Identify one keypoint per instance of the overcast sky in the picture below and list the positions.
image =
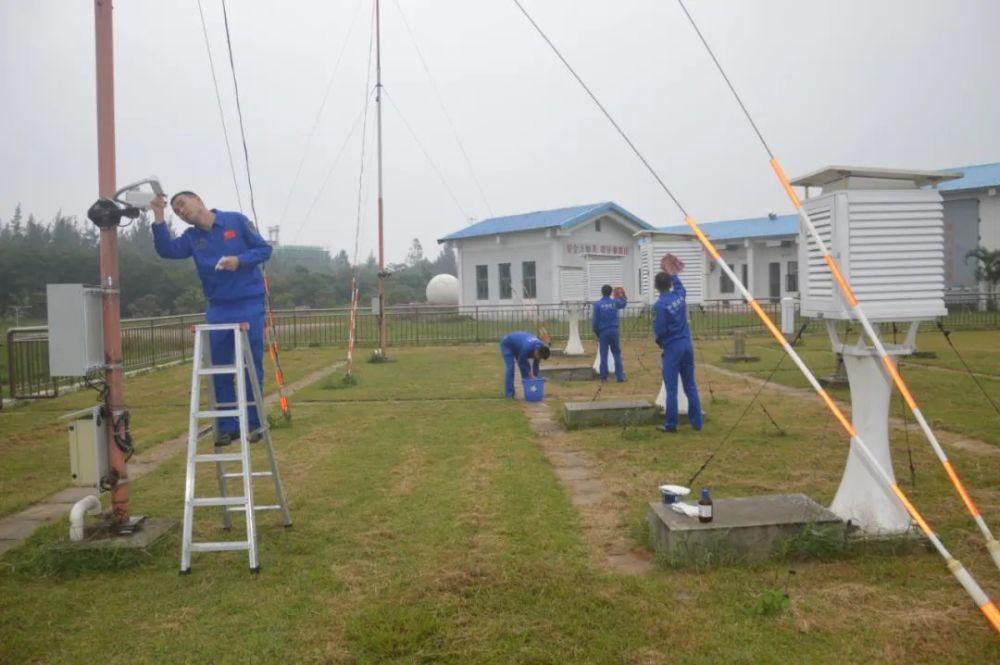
(894, 83)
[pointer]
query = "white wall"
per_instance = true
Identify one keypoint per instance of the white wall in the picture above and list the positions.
(757, 274)
(989, 220)
(549, 249)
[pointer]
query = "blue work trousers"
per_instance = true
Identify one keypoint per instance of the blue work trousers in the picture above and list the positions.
(509, 360)
(250, 311)
(609, 339)
(678, 358)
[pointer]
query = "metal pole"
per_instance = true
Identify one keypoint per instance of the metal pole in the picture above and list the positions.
(381, 243)
(104, 44)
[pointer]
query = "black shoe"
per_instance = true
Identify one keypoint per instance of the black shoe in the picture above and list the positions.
(667, 430)
(225, 438)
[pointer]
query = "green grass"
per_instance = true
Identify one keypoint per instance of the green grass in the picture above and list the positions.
(430, 527)
(34, 451)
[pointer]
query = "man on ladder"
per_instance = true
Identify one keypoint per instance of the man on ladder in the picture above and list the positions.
(227, 253)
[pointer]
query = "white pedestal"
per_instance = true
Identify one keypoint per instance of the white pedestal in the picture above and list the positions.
(862, 497)
(574, 347)
(682, 400)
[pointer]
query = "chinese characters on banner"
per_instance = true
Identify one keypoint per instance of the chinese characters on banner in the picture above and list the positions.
(607, 250)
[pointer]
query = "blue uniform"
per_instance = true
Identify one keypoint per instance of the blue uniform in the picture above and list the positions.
(605, 326)
(233, 296)
(670, 328)
(518, 347)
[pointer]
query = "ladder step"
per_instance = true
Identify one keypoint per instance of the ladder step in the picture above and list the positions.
(217, 369)
(219, 457)
(256, 508)
(225, 413)
(221, 546)
(255, 474)
(219, 501)
(249, 403)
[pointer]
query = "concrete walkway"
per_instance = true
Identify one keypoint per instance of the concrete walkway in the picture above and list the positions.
(16, 528)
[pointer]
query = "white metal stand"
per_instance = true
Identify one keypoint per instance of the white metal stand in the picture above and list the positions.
(574, 347)
(862, 497)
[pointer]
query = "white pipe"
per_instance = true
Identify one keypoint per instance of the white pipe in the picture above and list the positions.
(88, 504)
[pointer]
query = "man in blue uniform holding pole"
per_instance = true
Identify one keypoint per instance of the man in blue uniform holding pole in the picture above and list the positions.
(670, 328)
(605, 327)
(526, 350)
(227, 254)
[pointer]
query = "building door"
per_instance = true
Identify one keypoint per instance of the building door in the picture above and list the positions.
(774, 280)
(961, 236)
(571, 285)
(601, 272)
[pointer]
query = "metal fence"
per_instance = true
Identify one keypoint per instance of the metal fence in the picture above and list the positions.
(150, 342)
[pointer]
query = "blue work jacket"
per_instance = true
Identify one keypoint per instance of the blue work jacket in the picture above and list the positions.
(605, 318)
(230, 235)
(522, 345)
(670, 315)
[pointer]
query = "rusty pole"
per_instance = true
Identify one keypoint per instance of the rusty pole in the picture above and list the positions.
(104, 45)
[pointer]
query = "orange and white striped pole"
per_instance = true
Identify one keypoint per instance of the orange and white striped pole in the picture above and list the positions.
(352, 327)
(856, 309)
(979, 597)
(991, 543)
(271, 339)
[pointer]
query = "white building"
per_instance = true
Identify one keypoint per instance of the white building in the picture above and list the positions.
(762, 252)
(549, 256)
(971, 219)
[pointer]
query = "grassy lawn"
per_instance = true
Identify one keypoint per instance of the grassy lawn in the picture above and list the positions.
(430, 527)
(34, 452)
(947, 395)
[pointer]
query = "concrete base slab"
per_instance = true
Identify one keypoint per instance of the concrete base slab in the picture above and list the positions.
(99, 536)
(924, 354)
(610, 412)
(731, 358)
(567, 373)
(743, 530)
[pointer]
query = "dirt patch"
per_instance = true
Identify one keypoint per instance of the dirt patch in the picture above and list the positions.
(580, 476)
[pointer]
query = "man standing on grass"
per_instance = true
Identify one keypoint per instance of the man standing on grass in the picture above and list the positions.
(521, 347)
(605, 326)
(670, 329)
(227, 254)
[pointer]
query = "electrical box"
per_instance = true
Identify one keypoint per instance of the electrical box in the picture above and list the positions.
(88, 447)
(653, 245)
(885, 228)
(76, 329)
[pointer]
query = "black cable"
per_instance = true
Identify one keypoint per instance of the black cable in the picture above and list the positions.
(437, 171)
(444, 110)
(947, 336)
(729, 83)
(218, 100)
(319, 113)
(607, 115)
(746, 409)
(239, 112)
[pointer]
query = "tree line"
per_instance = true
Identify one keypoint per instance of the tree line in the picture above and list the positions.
(34, 253)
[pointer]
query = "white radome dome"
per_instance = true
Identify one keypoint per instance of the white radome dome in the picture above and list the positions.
(443, 290)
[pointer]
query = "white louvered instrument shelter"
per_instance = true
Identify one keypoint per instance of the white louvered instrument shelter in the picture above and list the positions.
(886, 231)
(653, 246)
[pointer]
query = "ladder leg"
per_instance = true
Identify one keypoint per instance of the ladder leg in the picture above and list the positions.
(258, 399)
(239, 341)
(188, 527)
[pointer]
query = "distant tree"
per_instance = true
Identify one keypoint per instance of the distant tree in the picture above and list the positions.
(416, 253)
(987, 272)
(190, 301)
(445, 263)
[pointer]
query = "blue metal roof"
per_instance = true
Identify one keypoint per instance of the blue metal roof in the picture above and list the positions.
(753, 227)
(976, 177)
(562, 218)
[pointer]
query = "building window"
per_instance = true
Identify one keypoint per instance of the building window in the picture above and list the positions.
(597, 226)
(787, 243)
(505, 290)
(792, 277)
(725, 284)
(528, 276)
(482, 283)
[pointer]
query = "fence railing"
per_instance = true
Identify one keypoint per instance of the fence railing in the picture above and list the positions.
(150, 342)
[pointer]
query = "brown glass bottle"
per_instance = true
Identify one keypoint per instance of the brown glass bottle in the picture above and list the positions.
(705, 507)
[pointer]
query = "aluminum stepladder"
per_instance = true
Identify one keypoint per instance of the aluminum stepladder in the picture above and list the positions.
(243, 365)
